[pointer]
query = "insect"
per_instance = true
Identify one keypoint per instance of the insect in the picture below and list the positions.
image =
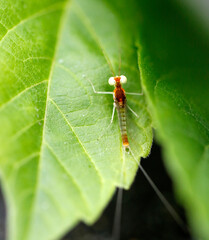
(119, 97)
(120, 103)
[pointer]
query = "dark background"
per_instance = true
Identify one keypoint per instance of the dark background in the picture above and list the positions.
(143, 215)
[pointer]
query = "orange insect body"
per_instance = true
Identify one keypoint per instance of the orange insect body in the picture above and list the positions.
(119, 93)
(120, 103)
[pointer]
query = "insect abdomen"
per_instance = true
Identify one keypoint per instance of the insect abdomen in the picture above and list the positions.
(122, 120)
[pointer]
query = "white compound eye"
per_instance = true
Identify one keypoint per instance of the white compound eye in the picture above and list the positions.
(123, 79)
(111, 81)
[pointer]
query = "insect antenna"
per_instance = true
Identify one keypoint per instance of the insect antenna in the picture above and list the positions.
(119, 69)
(119, 57)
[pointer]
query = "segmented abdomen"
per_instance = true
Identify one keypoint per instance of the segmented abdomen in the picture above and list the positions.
(122, 120)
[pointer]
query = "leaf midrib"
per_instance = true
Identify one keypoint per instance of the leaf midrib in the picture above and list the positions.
(65, 8)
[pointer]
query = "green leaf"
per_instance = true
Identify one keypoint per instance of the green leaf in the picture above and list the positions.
(56, 170)
(174, 62)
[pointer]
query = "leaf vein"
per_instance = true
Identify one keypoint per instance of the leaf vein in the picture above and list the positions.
(91, 30)
(70, 176)
(72, 129)
(20, 93)
(40, 13)
(24, 129)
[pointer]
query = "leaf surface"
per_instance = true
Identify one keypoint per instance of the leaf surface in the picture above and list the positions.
(59, 162)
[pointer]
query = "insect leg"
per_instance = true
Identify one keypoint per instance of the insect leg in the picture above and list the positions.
(136, 94)
(132, 111)
(113, 113)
